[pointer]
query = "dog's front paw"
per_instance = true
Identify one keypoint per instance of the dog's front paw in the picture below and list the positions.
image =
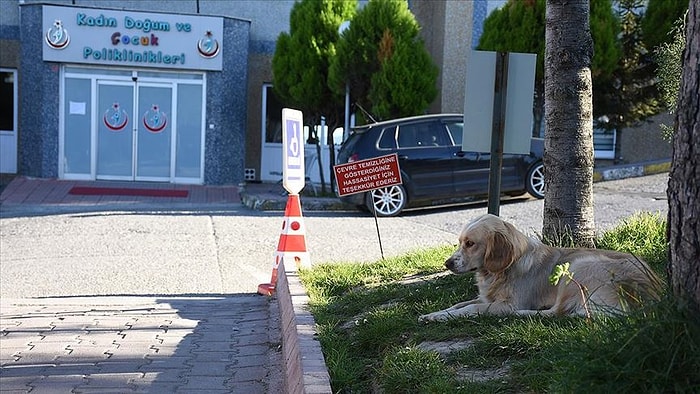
(435, 316)
(424, 318)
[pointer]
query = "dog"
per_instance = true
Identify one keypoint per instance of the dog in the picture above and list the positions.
(513, 272)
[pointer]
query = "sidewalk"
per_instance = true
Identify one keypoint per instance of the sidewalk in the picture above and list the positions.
(141, 345)
(53, 192)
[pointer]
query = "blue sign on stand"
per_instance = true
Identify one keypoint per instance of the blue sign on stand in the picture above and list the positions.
(294, 177)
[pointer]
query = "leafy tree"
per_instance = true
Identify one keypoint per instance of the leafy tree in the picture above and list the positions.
(568, 156)
(636, 96)
(383, 60)
(605, 29)
(394, 86)
(684, 178)
(658, 20)
(519, 26)
(302, 59)
(669, 57)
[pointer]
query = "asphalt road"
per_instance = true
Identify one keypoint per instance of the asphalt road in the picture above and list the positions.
(204, 251)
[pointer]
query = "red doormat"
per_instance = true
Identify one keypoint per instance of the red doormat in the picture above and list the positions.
(126, 191)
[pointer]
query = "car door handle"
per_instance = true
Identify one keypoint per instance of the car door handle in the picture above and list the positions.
(469, 155)
(403, 157)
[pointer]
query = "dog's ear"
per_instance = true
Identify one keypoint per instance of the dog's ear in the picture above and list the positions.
(499, 253)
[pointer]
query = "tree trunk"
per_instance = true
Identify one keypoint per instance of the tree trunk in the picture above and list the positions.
(684, 180)
(568, 156)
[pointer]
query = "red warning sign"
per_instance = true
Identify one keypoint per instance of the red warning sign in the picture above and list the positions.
(365, 175)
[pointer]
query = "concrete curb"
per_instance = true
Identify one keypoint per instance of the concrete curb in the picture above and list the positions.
(305, 368)
(631, 170)
(263, 203)
(268, 201)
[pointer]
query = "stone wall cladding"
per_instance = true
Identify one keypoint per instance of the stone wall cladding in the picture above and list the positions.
(38, 102)
(227, 109)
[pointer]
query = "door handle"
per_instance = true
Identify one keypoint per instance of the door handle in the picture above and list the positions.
(469, 155)
(403, 157)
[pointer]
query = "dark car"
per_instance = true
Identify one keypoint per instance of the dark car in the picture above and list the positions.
(435, 169)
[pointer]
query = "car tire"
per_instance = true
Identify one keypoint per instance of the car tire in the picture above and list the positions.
(535, 180)
(386, 201)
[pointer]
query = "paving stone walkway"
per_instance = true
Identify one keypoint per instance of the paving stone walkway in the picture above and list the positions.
(140, 344)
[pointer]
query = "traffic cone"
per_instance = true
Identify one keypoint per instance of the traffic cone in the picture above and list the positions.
(292, 243)
(268, 289)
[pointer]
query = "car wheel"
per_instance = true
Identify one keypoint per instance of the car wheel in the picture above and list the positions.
(387, 201)
(535, 180)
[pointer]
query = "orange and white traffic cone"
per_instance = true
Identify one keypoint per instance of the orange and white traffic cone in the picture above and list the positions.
(268, 289)
(292, 243)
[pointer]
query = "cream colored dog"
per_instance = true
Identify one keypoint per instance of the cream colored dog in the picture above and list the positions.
(512, 273)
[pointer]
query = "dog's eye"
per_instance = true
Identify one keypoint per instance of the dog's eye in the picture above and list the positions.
(468, 244)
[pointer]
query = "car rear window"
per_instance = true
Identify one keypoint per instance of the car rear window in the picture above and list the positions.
(348, 146)
(388, 138)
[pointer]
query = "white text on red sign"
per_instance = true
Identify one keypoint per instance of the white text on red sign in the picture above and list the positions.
(364, 175)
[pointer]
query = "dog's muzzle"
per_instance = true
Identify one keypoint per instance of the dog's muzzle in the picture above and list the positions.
(450, 264)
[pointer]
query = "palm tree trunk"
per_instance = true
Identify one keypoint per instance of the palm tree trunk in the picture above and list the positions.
(568, 158)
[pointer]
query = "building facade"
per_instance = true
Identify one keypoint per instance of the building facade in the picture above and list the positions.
(170, 90)
(180, 91)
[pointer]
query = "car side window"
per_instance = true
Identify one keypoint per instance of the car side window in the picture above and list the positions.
(424, 134)
(438, 135)
(388, 138)
(456, 132)
(407, 136)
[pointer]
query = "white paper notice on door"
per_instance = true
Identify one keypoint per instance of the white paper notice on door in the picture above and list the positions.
(76, 108)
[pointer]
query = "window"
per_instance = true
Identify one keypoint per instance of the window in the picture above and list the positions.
(456, 131)
(8, 100)
(422, 135)
(272, 115)
(407, 137)
(388, 138)
(438, 135)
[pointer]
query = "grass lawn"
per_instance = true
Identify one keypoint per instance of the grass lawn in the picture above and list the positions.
(367, 320)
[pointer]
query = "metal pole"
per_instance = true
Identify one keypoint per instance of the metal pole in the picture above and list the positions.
(379, 236)
(345, 25)
(498, 132)
(346, 126)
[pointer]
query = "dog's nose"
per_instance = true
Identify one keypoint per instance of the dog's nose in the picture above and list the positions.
(449, 264)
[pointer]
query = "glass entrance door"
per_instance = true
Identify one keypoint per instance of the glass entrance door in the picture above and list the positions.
(115, 130)
(154, 132)
(134, 132)
(132, 125)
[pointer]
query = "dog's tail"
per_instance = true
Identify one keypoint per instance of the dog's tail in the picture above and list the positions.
(642, 287)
